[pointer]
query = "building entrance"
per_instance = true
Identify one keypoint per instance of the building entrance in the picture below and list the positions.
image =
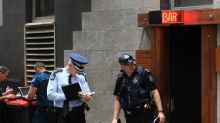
(184, 44)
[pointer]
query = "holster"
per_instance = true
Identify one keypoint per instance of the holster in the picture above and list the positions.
(86, 106)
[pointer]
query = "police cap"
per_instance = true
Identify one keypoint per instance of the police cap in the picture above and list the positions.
(125, 59)
(79, 61)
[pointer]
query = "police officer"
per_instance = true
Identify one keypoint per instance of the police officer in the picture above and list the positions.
(44, 112)
(71, 74)
(133, 91)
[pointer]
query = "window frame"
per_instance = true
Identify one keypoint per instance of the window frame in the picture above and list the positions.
(1, 12)
(43, 18)
(172, 4)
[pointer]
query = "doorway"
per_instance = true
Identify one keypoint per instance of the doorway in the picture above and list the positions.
(184, 79)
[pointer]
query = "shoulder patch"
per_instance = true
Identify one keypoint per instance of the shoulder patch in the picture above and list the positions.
(53, 74)
(146, 70)
(150, 78)
(33, 79)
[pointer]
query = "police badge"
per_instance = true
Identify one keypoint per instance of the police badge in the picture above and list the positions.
(135, 80)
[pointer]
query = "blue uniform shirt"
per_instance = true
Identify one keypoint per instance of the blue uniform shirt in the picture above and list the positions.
(40, 82)
(55, 92)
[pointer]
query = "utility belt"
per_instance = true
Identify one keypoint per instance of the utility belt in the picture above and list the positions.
(137, 109)
(73, 109)
(46, 109)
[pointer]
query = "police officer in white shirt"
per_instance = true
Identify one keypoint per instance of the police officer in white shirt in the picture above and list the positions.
(70, 74)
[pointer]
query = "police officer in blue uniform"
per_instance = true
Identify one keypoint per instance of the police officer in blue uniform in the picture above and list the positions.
(133, 91)
(69, 111)
(45, 112)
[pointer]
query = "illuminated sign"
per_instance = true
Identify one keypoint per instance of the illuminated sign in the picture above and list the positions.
(172, 16)
(166, 17)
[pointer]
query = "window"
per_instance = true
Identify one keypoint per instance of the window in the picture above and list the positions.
(1, 13)
(43, 8)
(184, 3)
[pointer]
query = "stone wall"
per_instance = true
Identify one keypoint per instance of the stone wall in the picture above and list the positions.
(108, 31)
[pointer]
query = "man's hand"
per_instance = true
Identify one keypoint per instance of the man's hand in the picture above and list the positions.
(10, 96)
(115, 121)
(162, 117)
(8, 91)
(84, 96)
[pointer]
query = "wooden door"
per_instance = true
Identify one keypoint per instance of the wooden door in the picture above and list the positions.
(160, 69)
(209, 81)
(160, 62)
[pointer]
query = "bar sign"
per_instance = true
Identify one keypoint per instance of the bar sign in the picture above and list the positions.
(171, 16)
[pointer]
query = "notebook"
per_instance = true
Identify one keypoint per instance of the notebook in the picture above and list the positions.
(71, 91)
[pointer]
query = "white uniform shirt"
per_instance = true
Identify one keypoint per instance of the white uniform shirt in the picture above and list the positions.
(55, 92)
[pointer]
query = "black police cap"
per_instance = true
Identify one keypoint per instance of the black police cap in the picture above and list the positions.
(3, 69)
(126, 59)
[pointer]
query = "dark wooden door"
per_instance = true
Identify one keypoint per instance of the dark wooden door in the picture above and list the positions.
(209, 82)
(185, 74)
(166, 67)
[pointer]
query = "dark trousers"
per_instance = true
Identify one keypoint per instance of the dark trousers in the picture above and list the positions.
(44, 116)
(77, 115)
(145, 116)
(2, 112)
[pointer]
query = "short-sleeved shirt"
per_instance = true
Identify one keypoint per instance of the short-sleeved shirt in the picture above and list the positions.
(140, 77)
(60, 79)
(40, 81)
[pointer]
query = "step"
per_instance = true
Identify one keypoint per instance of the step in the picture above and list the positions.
(109, 5)
(102, 21)
(109, 40)
(92, 40)
(110, 20)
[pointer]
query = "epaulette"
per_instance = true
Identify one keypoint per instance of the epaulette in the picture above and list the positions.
(83, 74)
(53, 74)
(121, 74)
(142, 69)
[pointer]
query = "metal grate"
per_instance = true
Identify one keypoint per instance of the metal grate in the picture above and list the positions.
(39, 41)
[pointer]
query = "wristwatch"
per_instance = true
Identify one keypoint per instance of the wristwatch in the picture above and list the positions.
(161, 110)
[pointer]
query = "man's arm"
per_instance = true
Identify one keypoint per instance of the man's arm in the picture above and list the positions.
(158, 102)
(2, 97)
(52, 91)
(8, 96)
(32, 92)
(117, 108)
(157, 99)
(85, 89)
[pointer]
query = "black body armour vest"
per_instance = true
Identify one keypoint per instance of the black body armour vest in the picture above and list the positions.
(134, 91)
